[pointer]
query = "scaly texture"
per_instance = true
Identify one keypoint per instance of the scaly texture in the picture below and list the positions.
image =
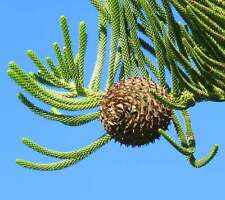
(131, 114)
(135, 111)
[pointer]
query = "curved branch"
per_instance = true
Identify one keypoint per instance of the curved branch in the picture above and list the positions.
(71, 154)
(69, 120)
(202, 162)
(71, 158)
(185, 151)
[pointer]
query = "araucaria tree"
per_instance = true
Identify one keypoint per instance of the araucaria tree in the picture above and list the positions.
(157, 67)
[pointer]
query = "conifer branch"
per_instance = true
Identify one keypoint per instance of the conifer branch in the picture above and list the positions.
(180, 132)
(202, 162)
(65, 119)
(191, 54)
(94, 83)
(184, 151)
(187, 146)
(134, 37)
(82, 50)
(100, 6)
(71, 158)
(124, 45)
(114, 7)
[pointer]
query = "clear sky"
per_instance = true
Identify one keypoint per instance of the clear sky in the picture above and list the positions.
(157, 171)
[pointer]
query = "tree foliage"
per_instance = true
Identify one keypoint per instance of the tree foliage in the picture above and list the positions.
(190, 66)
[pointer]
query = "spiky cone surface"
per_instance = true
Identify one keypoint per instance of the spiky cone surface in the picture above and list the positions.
(131, 115)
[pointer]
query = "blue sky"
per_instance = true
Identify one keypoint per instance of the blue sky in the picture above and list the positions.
(157, 171)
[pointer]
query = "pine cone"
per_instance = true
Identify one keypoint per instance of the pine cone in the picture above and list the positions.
(131, 115)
